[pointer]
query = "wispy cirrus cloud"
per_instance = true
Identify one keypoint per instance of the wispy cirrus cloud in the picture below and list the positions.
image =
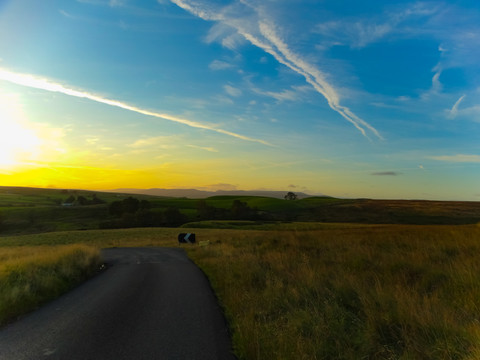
(285, 95)
(205, 148)
(32, 81)
(163, 142)
(253, 24)
(116, 3)
(111, 3)
(232, 91)
(360, 32)
(220, 65)
(458, 158)
(454, 110)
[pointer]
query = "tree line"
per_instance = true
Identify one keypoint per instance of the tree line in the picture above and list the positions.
(238, 211)
(82, 200)
(131, 212)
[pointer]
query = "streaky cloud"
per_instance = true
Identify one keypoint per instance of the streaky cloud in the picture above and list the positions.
(263, 35)
(458, 158)
(220, 65)
(454, 110)
(32, 81)
(206, 148)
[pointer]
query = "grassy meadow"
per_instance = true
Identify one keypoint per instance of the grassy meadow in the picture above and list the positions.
(327, 291)
(32, 275)
(374, 292)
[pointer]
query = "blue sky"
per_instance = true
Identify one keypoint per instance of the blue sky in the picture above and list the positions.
(378, 100)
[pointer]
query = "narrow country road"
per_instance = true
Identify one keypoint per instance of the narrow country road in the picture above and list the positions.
(150, 303)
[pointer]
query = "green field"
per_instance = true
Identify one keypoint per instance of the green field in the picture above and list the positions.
(317, 278)
(29, 210)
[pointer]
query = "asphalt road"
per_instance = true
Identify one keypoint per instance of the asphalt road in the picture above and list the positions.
(150, 303)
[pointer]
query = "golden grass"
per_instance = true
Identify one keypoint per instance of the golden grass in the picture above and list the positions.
(336, 292)
(378, 292)
(31, 275)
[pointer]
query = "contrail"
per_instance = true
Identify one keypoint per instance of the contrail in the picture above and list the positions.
(264, 36)
(454, 110)
(47, 85)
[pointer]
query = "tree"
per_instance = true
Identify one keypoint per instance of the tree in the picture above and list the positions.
(116, 208)
(82, 200)
(131, 205)
(145, 205)
(147, 218)
(291, 196)
(96, 200)
(205, 211)
(241, 211)
(173, 217)
(70, 200)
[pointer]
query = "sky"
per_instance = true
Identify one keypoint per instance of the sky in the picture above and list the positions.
(377, 99)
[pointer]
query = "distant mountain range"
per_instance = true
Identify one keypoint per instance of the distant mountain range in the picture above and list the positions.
(200, 194)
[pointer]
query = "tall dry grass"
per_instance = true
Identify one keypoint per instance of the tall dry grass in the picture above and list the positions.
(377, 292)
(31, 275)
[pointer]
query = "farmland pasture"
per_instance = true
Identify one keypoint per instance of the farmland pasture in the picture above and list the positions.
(339, 291)
(315, 278)
(29, 210)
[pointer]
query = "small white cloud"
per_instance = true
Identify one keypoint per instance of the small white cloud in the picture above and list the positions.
(232, 91)
(92, 141)
(219, 65)
(116, 3)
(163, 142)
(66, 14)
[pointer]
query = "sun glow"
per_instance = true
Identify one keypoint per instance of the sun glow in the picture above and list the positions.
(19, 144)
